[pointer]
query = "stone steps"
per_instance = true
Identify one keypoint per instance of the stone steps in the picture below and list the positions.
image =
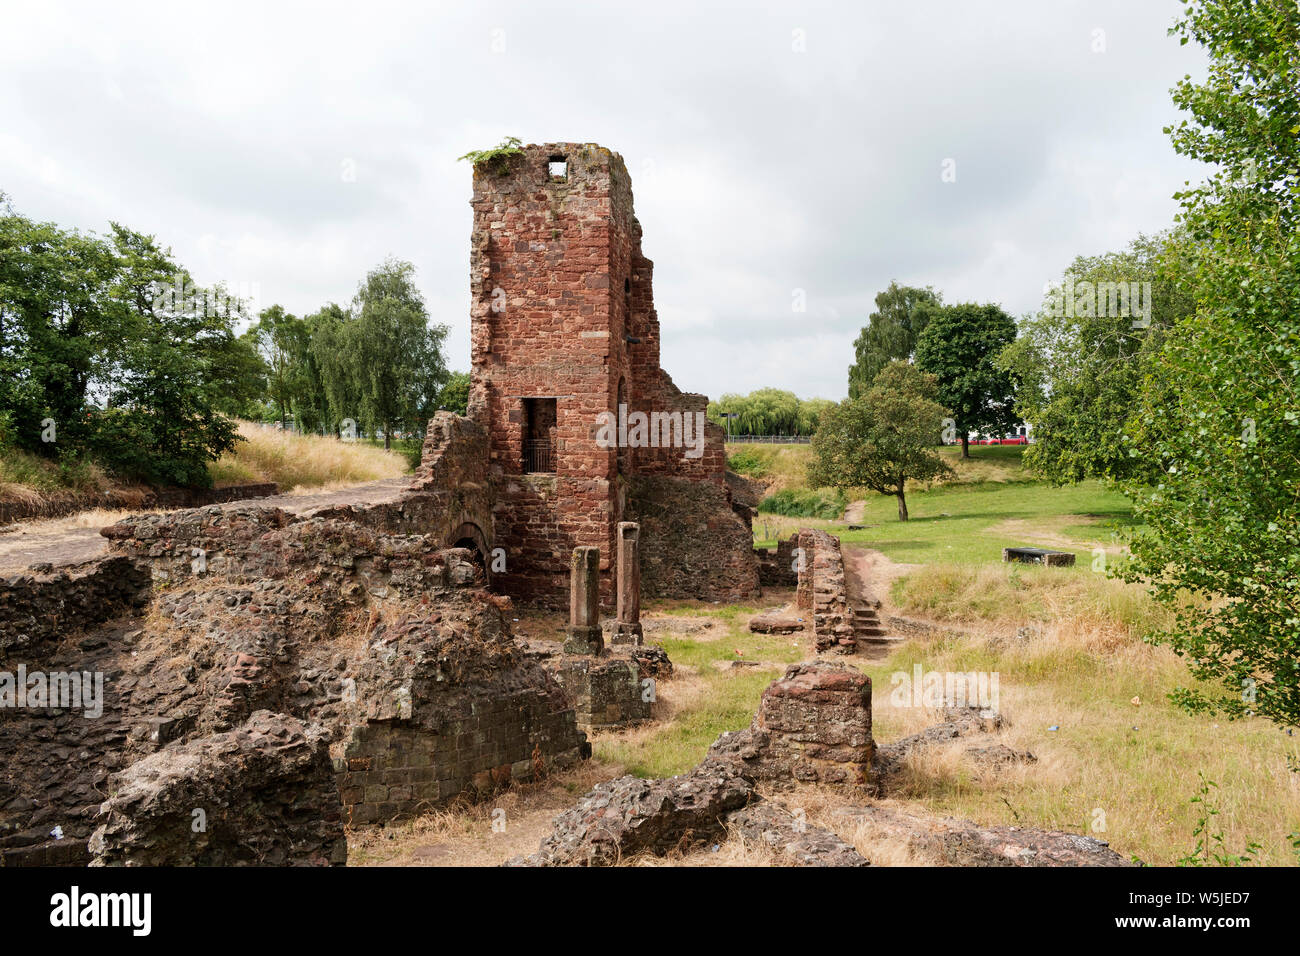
(883, 640)
(868, 631)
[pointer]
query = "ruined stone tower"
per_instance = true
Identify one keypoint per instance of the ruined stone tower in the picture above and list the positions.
(564, 333)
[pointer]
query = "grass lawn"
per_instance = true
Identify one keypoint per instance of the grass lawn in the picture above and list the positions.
(973, 523)
(1079, 687)
(990, 505)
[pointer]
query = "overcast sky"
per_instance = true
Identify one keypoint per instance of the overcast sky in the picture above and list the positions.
(773, 147)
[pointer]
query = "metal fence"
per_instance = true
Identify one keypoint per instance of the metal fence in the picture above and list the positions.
(539, 456)
(770, 439)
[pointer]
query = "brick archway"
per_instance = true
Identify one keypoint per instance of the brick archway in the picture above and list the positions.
(470, 535)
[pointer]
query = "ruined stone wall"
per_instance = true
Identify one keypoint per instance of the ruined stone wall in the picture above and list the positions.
(264, 794)
(447, 712)
(693, 545)
(606, 692)
(562, 309)
(47, 605)
(451, 491)
(326, 618)
(812, 726)
(822, 589)
(777, 567)
(399, 545)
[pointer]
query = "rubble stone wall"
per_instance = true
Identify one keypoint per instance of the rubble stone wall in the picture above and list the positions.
(822, 589)
(693, 545)
(261, 795)
(43, 606)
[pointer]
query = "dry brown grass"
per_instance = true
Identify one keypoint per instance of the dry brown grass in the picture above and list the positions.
(23, 494)
(94, 518)
(300, 463)
(463, 835)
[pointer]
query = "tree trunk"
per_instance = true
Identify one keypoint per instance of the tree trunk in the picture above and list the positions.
(902, 505)
(965, 444)
(388, 434)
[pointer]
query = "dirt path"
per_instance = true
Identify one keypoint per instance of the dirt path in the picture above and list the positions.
(60, 543)
(1047, 533)
(868, 574)
(854, 513)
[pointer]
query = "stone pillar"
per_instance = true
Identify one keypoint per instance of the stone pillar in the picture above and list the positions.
(628, 629)
(804, 565)
(584, 603)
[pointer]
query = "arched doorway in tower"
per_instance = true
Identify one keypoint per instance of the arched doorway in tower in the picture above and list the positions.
(471, 537)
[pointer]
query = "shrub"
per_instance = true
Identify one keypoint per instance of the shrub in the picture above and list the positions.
(749, 462)
(805, 503)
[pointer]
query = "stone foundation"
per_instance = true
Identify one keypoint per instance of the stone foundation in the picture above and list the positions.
(822, 590)
(607, 692)
(261, 795)
(812, 726)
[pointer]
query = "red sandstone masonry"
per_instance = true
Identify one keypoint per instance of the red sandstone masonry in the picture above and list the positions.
(821, 587)
(562, 309)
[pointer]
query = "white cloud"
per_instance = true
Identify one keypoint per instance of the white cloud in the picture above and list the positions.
(225, 130)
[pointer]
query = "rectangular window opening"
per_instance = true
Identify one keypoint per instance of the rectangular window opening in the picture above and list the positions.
(558, 169)
(539, 436)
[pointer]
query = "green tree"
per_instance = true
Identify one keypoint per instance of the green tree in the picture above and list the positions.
(901, 315)
(338, 386)
(166, 424)
(283, 341)
(958, 347)
(382, 364)
(1221, 545)
(110, 340)
(244, 374)
(883, 438)
(58, 329)
(767, 411)
(454, 396)
(1080, 362)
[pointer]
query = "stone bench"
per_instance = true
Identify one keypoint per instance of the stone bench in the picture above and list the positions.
(1052, 559)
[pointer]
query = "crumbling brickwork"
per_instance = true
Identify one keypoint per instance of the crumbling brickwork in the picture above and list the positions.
(48, 605)
(778, 568)
(822, 590)
(564, 330)
(607, 692)
(812, 726)
(261, 795)
(449, 710)
(330, 618)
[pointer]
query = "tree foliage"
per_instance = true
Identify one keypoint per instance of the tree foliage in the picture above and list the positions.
(768, 411)
(958, 347)
(381, 364)
(901, 315)
(1080, 362)
(454, 396)
(883, 438)
(1222, 418)
(108, 348)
